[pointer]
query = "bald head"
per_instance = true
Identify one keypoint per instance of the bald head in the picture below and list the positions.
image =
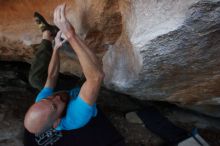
(46, 113)
(39, 117)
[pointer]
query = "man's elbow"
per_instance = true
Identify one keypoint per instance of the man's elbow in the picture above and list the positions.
(102, 76)
(52, 76)
(99, 76)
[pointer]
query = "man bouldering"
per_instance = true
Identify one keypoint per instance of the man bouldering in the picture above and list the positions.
(64, 114)
(64, 110)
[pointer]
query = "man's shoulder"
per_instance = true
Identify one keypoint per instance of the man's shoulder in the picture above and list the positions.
(74, 92)
(44, 93)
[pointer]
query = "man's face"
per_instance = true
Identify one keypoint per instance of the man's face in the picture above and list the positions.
(42, 115)
(57, 103)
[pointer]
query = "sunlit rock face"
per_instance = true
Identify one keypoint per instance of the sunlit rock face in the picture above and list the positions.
(165, 50)
(98, 22)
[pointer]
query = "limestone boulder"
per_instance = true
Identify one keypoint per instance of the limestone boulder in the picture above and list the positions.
(165, 50)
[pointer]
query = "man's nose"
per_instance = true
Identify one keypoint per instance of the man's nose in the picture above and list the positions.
(58, 97)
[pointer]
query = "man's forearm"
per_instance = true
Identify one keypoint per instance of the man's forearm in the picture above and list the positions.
(53, 69)
(54, 65)
(89, 62)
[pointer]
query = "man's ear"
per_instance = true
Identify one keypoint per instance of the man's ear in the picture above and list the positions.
(56, 123)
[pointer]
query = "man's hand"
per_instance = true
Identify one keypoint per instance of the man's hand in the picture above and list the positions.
(62, 23)
(58, 41)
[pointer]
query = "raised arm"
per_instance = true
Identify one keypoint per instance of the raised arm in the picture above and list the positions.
(54, 65)
(89, 62)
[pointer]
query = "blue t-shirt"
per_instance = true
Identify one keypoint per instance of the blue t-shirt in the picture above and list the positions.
(78, 112)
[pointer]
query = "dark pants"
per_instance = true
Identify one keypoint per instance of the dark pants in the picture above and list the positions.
(39, 69)
(40, 63)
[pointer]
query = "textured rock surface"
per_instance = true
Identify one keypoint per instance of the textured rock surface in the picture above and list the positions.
(175, 47)
(164, 50)
(16, 96)
(97, 22)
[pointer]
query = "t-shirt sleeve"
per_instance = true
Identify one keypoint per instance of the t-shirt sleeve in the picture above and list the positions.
(74, 92)
(78, 113)
(44, 93)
